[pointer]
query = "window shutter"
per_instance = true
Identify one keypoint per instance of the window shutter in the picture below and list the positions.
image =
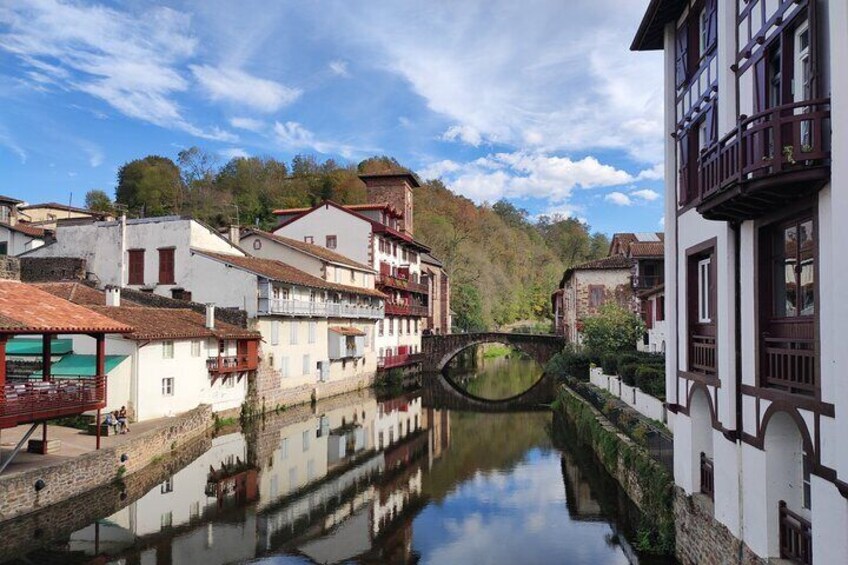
(710, 123)
(681, 60)
(136, 267)
(760, 85)
(683, 143)
(712, 23)
(166, 266)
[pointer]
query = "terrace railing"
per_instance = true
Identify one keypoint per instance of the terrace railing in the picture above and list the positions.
(34, 400)
(796, 537)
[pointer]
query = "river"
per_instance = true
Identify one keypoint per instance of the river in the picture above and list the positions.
(355, 479)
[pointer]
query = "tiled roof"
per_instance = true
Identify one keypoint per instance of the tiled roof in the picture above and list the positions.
(278, 271)
(170, 323)
(79, 293)
(28, 309)
(640, 249)
(25, 229)
(311, 249)
(392, 174)
(9, 199)
(65, 207)
(611, 262)
(346, 330)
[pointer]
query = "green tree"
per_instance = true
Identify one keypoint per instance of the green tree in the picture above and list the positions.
(468, 308)
(151, 186)
(98, 201)
(612, 329)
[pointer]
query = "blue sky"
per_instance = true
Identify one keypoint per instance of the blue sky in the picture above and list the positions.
(537, 101)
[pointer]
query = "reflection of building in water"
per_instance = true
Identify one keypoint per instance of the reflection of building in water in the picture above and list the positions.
(437, 424)
(165, 522)
(582, 504)
(396, 419)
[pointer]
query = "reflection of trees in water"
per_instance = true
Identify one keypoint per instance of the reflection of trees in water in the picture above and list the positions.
(494, 378)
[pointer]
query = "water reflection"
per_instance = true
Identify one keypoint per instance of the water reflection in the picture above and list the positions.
(362, 480)
(493, 372)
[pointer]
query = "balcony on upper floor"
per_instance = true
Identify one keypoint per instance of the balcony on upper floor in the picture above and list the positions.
(400, 279)
(770, 159)
(405, 308)
(319, 309)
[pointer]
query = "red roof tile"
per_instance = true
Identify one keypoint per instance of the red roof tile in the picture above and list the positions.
(611, 262)
(79, 293)
(27, 309)
(278, 271)
(171, 323)
(25, 229)
(642, 249)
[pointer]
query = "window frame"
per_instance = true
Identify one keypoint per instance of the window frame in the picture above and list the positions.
(167, 386)
(168, 349)
(167, 265)
(135, 267)
(331, 239)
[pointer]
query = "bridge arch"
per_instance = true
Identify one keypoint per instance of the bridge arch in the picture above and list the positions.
(440, 349)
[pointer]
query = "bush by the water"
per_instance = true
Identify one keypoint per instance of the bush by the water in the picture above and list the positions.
(612, 329)
(627, 373)
(609, 363)
(571, 363)
(651, 379)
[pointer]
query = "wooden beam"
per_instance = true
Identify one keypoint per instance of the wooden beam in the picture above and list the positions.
(46, 356)
(3, 340)
(100, 357)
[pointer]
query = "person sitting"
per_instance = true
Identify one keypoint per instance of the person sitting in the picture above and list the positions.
(112, 420)
(123, 420)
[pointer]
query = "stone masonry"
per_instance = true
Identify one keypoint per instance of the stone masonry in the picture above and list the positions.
(10, 268)
(265, 392)
(48, 269)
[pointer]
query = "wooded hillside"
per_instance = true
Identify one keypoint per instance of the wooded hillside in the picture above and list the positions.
(502, 263)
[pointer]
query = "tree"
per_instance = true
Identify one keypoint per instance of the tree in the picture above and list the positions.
(98, 201)
(612, 329)
(151, 186)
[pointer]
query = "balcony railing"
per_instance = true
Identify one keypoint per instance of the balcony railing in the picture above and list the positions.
(230, 364)
(31, 401)
(399, 360)
(405, 309)
(792, 138)
(289, 307)
(702, 354)
(385, 279)
(790, 364)
(707, 476)
(796, 537)
(647, 281)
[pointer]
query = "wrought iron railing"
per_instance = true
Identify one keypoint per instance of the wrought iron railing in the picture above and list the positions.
(790, 364)
(796, 537)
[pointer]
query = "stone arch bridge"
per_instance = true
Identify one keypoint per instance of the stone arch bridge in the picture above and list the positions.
(439, 391)
(440, 349)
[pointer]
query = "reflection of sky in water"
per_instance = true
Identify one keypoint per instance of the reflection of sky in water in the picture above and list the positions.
(515, 517)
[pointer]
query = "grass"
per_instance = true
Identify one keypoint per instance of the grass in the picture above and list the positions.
(495, 351)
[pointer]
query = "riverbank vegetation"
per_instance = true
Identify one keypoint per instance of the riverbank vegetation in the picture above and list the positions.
(502, 262)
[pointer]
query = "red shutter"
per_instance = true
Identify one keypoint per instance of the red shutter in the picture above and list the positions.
(681, 57)
(166, 266)
(649, 314)
(136, 272)
(712, 23)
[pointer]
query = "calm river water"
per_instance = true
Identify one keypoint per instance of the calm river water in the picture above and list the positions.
(354, 479)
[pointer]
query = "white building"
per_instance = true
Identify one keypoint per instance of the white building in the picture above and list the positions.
(378, 235)
(756, 308)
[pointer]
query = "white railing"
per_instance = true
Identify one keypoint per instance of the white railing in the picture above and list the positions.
(326, 309)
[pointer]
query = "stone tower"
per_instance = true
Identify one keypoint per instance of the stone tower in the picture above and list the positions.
(394, 189)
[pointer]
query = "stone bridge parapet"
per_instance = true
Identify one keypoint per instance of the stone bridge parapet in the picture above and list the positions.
(440, 349)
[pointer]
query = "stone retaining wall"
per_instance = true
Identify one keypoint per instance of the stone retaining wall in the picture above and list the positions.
(265, 393)
(73, 477)
(702, 540)
(10, 268)
(49, 269)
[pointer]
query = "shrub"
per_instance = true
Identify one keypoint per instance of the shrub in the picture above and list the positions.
(577, 366)
(651, 380)
(609, 362)
(613, 328)
(557, 365)
(629, 358)
(628, 373)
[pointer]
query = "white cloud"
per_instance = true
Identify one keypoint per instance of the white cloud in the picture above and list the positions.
(339, 68)
(293, 136)
(646, 194)
(662, 222)
(249, 124)
(618, 198)
(233, 153)
(7, 141)
(467, 134)
(239, 87)
(131, 62)
(521, 174)
(657, 172)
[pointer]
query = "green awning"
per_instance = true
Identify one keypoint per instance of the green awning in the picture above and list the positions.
(32, 347)
(81, 365)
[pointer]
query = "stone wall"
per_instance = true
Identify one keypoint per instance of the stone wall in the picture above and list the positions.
(72, 477)
(265, 393)
(50, 269)
(702, 540)
(10, 268)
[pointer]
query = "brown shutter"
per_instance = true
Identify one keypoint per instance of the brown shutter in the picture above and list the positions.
(712, 23)
(683, 143)
(760, 85)
(136, 261)
(681, 57)
(166, 266)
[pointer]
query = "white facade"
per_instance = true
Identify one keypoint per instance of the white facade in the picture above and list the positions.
(656, 336)
(773, 430)
(17, 241)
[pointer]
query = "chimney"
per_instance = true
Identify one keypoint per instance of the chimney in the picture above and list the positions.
(113, 296)
(210, 316)
(394, 189)
(235, 234)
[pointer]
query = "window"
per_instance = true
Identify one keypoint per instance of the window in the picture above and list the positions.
(294, 328)
(331, 242)
(284, 449)
(195, 348)
(167, 349)
(167, 486)
(391, 326)
(275, 332)
(284, 366)
(166, 520)
(704, 315)
(313, 326)
(793, 270)
(136, 266)
(4, 247)
(380, 327)
(305, 438)
(307, 364)
(408, 325)
(416, 326)
(596, 295)
(166, 266)
(168, 386)
(660, 308)
(309, 239)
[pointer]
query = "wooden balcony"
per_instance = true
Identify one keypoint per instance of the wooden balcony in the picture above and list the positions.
(226, 364)
(771, 158)
(796, 536)
(399, 360)
(405, 309)
(291, 307)
(22, 402)
(789, 364)
(707, 476)
(400, 283)
(702, 354)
